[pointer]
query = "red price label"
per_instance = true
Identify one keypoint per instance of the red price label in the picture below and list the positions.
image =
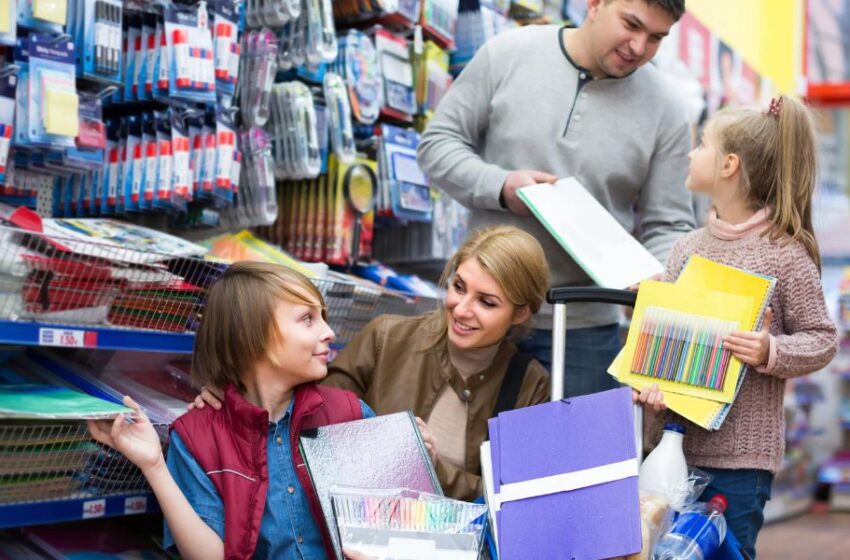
(94, 508)
(136, 504)
(67, 338)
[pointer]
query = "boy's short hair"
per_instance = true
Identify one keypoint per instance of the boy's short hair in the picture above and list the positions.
(237, 328)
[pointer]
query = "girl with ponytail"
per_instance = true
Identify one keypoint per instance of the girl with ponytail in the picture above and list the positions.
(759, 168)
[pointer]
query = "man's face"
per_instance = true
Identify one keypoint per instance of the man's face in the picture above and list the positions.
(625, 34)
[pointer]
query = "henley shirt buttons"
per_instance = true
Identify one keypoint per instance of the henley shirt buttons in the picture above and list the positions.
(577, 117)
(300, 539)
(481, 378)
(290, 489)
(279, 440)
(466, 394)
(583, 76)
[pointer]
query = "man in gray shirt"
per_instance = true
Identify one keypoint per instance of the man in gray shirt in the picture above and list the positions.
(541, 103)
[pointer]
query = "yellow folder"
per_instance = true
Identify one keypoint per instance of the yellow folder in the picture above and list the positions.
(703, 274)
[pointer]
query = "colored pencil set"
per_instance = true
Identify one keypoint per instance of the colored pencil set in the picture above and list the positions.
(397, 512)
(683, 347)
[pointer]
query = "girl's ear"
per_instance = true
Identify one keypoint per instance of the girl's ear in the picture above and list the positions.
(521, 315)
(731, 164)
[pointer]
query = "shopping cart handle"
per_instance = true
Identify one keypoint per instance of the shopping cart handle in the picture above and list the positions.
(591, 294)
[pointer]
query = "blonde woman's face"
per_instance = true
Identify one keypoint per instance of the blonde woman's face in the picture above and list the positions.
(478, 313)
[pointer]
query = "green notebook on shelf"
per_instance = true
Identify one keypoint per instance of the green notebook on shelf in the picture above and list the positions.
(49, 402)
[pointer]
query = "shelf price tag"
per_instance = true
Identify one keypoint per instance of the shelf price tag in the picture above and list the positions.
(135, 504)
(67, 338)
(94, 508)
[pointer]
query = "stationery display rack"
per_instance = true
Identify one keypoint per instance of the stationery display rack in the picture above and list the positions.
(79, 294)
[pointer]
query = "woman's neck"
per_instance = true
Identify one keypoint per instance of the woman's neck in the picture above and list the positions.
(264, 388)
(469, 361)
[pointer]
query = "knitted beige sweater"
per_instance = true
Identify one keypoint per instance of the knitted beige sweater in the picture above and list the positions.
(753, 435)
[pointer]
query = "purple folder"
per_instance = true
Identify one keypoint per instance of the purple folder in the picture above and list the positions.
(591, 522)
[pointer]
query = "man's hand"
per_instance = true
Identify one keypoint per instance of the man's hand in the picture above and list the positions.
(522, 178)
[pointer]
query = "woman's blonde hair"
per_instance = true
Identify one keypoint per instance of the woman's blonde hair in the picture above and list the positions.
(238, 328)
(513, 258)
(777, 150)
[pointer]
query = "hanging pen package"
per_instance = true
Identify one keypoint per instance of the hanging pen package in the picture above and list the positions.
(191, 74)
(96, 26)
(8, 85)
(404, 187)
(226, 46)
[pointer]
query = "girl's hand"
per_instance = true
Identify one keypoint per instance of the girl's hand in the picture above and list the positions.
(137, 440)
(207, 397)
(752, 348)
(651, 397)
(429, 439)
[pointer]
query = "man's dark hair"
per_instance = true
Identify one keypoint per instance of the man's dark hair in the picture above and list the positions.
(675, 8)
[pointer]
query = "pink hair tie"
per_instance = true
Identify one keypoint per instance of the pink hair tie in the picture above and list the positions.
(774, 108)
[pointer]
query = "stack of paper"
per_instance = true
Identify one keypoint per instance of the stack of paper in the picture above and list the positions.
(561, 478)
(705, 290)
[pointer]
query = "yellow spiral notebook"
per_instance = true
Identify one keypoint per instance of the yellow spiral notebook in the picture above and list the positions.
(701, 274)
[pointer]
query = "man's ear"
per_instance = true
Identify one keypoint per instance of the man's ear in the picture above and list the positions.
(731, 164)
(592, 8)
(521, 315)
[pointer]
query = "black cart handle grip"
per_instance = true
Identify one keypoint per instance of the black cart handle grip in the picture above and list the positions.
(591, 294)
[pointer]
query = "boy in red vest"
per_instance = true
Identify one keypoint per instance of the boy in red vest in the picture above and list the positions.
(264, 338)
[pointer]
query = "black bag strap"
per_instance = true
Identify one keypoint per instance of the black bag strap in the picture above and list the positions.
(514, 376)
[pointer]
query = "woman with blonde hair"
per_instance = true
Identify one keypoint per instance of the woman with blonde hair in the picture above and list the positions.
(457, 366)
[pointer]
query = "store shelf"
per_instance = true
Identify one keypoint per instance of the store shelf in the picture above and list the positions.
(39, 513)
(94, 337)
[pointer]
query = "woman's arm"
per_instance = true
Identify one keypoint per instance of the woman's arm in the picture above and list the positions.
(139, 442)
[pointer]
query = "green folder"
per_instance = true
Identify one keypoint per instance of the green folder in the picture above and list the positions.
(49, 402)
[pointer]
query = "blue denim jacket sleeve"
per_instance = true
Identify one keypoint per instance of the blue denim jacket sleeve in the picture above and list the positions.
(196, 486)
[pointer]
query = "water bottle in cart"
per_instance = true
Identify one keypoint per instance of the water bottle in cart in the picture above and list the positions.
(664, 472)
(696, 534)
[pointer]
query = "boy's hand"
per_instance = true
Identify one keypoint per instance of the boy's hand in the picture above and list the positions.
(650, 397)
(207, 397)
(752, 348)
(137, 440)
(429, 439)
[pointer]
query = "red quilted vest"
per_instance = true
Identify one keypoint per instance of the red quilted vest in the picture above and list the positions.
(230, 446)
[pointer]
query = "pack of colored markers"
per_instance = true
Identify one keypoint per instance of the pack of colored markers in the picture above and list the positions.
(408, 525)
(681, 347)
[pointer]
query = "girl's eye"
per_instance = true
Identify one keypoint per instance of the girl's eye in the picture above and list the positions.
(308, 318)
(458, 287)
(488, 304)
